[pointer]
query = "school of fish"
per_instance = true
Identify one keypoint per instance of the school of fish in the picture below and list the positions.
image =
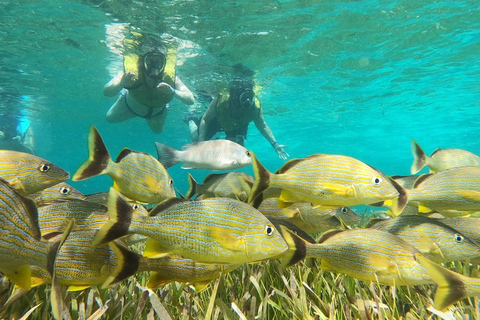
(52, 233)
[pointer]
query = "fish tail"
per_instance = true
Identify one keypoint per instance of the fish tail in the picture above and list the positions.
(192, 190)
(297, 247)
(450, 285)
(56, 294)
(419, 158)
(262, 179)
(166, 155)
(399, 203)
(98, 157)
(120, 217)
(128, 263)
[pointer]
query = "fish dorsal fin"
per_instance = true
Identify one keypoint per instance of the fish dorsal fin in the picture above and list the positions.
(374, 221)
(436, 150)
(188, 145)
(289, 164)
(123, 154)
(329, 234)
(421, 179)
(212, 176)
(164, 205)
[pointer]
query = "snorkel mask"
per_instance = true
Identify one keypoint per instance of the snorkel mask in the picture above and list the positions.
(246, 99)
(154, 64)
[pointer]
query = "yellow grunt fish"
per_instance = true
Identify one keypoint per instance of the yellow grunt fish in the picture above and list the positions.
(328, 180)
(28, 173)
(20, 244)
(57, 193)
(310, 218)
(137, 175)
(176, 268)
(434, 239)
(451, 286)
(235, 185)
(215, 230)
(442, 159)
(447, 192)
(78, 265)
(365, 254)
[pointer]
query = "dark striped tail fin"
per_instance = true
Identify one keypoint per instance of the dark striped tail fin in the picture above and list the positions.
(262, 179)
(419, 158)
(192, 190)
(120, 216)
(128, 263)
(297, 247)
(450, 285)
(98, 157)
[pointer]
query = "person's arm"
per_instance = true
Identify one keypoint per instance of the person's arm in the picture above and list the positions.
(206, 119)
(265, 130)
(181, 92)
(121, 81)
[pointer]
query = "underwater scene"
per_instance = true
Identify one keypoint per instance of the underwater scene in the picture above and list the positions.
(288, 159)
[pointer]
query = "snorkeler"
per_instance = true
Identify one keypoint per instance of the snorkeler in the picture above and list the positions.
(147, 84)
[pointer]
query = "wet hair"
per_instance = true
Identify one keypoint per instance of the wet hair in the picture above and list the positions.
(239, 86)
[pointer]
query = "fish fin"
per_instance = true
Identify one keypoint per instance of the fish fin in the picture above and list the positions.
(337, 189)
(227, 239)
(240, 193)
(297, 248)
(98, 158)
(56, 300)
(154, 249)
(192, 190)
(289, 164)
(450, 285)
(200, 286)
(120, 214)
(328, 234)
(262, 179)
(420, 179)
(36, 281)
(164, 205)
(424, 209)
(420, 159)
(278, 222)
(127, 264)
(469, 194)
(373, 221)
(20, 276)
(291, 213)
(77, 288)
(123, 154)
(186, 167)
(286, 199)
(157, 279)
(166, 155)
(398, 203)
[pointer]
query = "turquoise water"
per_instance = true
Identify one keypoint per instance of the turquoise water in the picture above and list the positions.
(359, 78)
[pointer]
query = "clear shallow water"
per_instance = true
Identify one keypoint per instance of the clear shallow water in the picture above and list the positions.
(358, 78)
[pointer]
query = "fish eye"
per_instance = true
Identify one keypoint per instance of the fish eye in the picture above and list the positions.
(43, 167)
(248, 153)
(170, 182)
(458, 238)
(135, 206)
(269, 230)
(343, 210)
(64, 190)
(376, 181)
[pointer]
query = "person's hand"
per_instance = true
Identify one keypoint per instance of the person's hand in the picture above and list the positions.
(282, 154)
(128, 79)
(165, 88)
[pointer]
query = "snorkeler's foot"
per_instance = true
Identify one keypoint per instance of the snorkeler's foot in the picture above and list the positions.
(187, 117)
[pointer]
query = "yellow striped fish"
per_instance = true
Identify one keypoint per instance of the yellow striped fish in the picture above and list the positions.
(328, 180)
(365, 254)
(87, 215)
(57, 193)
(447, 192)
(20, 244)
(78, 265)
(442, 159)
(451, 286)
(176, 268)
(310, 218)
(137, 175)
(28, 173)
(215, 230)
(434, 239)
(235, 185)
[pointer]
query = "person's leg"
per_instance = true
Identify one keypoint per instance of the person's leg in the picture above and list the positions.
(120, 111)
(157, 121)
(239, 136)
